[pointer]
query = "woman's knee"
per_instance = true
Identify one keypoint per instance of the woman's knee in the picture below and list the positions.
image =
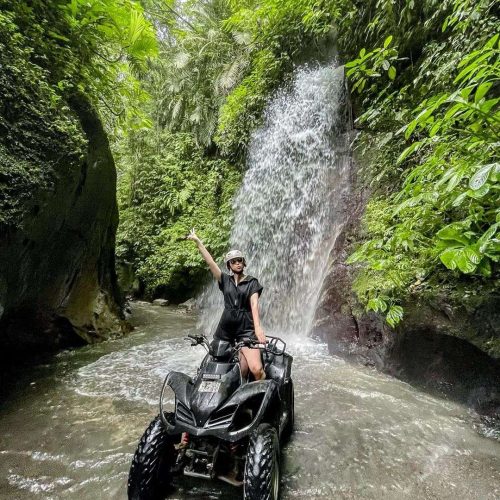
(255, 365)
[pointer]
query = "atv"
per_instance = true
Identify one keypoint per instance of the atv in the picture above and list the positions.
(234, 425)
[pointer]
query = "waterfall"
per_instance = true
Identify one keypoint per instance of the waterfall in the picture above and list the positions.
(287, 213)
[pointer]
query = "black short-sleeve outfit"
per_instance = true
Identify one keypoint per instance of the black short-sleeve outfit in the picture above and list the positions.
(236, 322)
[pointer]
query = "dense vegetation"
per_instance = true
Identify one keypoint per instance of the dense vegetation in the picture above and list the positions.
(423, 75)
(169, 186)
(181, 85)
(432, 222)
(52, 52)
(218, 62)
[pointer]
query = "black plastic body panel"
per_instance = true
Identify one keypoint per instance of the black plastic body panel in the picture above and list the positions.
(213, 414)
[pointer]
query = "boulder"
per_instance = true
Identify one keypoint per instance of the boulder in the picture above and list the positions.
(58, 284)
(160, 302)
(443, 344)
(188, 306)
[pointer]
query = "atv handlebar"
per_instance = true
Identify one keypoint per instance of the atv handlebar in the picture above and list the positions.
(274, 345)
(197, 340)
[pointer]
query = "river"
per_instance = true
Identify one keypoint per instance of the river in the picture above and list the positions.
(71, 424)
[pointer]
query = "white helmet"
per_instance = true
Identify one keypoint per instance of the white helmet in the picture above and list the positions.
(233, 254)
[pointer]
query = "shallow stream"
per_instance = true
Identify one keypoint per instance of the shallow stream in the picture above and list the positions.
(69, 426)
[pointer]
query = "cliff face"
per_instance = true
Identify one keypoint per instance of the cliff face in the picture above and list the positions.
(57, 278)
(58, 212)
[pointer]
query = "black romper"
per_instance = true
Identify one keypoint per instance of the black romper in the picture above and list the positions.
(236, 322)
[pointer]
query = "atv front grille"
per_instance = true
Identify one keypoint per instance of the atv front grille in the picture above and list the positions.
(184, 414)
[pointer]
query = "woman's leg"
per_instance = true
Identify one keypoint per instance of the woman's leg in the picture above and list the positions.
(243, 365)
(254, 362)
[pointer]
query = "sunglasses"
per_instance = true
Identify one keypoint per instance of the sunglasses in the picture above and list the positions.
(238, 260)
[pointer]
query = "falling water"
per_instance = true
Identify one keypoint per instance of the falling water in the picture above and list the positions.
(286, 212)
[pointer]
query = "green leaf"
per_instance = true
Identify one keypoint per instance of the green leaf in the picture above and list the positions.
(377, 305)
(351, 64)
(392, 72)
(410, 128)
(472, 254)
(435, 128)
(408, 151)
(57, 36)
(453, 111)
(459, 199)
(484, 267)
(395, 315)
(448, 258)
(491, 42)
(387, 41)
(452, 233)
(479, 193)
(481, 176)
(482, 90)
(483, 241)
(473, 67)
(467, 260)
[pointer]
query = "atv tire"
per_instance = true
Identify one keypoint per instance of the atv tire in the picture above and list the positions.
(262, 474)
(150, 475)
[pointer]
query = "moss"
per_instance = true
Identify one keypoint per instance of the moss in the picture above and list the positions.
(38, 132)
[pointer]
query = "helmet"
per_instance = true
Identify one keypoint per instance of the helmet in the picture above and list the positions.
(233, 254)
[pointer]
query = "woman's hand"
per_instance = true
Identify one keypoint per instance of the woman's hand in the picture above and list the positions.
(193, 236)
(214, 268)
(261, 337)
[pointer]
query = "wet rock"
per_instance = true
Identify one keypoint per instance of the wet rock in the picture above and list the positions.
(160, 302)
(58, 284)
(187, 306)
(447, 347)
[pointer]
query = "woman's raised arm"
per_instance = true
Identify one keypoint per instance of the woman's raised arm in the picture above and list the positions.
(214, 268)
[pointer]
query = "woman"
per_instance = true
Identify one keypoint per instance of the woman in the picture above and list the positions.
(240, 318)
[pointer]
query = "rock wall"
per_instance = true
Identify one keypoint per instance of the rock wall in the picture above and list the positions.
(57, 278)
(441, 345)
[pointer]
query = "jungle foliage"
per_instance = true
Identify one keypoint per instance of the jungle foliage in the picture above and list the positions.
(51, 51)
(218, 62)
(181, 85)
(222, 58)
(168, 187)
(433, 221)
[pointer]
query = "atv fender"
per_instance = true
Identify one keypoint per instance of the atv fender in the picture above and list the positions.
(269, 388)
(182, 385)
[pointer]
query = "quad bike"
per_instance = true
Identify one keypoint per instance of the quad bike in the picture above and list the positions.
(234, 425)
